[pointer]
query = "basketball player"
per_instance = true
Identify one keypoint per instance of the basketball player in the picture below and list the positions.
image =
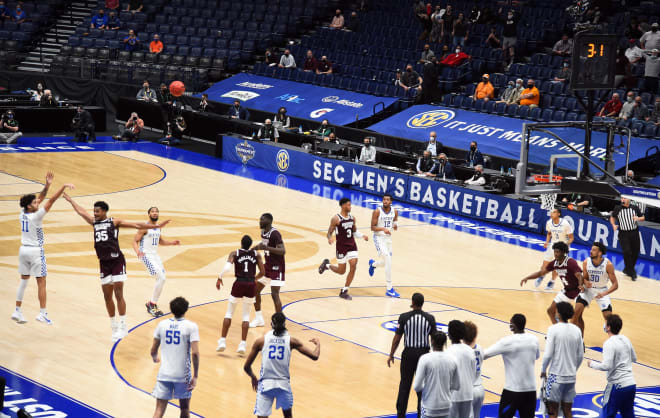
(177, 338)
(461, 399)
(274, 379)
(569, 273)
(559, 230)
(31, 256)
(344, 226)
(111, 259)
(273, 247)
(597, 271)
(245, 262)
(383, 220)
(145, 245)
(478, 392)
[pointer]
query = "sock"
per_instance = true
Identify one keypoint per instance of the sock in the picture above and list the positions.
(388, 272)
(243, 342)
(18, 309)
(344, 289)
(21, 290)
(43, 311)
(122, 320)
(379, 263)
(113, 321)
(259, 315)
(222, 340)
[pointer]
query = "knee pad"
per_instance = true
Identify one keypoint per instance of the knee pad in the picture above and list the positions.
(247, 305)
(230, 309)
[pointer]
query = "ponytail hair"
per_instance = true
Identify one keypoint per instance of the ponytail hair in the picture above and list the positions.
(278, 322)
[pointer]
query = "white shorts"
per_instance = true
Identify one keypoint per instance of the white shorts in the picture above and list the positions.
(154, 265)
(590, 293)
(171, 390)
(32, 261)
(348, 256)
(270, 282)
(264, 405)
(559, 392)
(383, 245)
(561, 297)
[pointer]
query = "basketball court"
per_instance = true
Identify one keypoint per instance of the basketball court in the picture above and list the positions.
(463, 274)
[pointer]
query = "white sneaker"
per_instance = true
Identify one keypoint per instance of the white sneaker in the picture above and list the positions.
(257, 323)
(122, 330)
(551, 285)
(44, 318)
(115, 335)
(242, 347)
(18, 317)
(538, 281)
(222, 344)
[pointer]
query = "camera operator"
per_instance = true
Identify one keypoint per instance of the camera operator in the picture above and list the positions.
(175, 130)
(132, 129)
(9, 132)
(83, 126)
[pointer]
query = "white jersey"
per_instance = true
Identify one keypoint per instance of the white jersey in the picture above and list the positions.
(519, 352)
(618, 357)
(385, 220)
(275, 358)
(564, 352)
(559, 232)
(479, 357)
(176, 337)
(149, 241)
(32, 230)
(598, 274)
(464, 356)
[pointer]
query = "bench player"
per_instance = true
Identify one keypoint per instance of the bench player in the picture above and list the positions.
(559, 230)
(383, 221)
(245, 263)
(344, 226)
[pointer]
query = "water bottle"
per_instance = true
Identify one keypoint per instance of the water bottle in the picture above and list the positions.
(510, 171)
(502, 170)
(471, 164)
(443, 177)
(300, 131)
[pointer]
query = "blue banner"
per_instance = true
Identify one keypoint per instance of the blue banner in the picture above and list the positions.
(301, 100)
(499, 136)
(428, 193)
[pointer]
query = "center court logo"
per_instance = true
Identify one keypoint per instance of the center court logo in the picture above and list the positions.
(393, 325)
(430, 118)
(256, 86)
(282, 159)
(241, 95)
(246, 151)
(315, 114)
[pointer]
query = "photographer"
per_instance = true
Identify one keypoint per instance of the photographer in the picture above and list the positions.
(132, 129)
(175, 130)
(9, 132)
(83, 126)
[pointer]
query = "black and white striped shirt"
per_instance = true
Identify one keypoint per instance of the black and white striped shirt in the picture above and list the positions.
(625, 216)
(416, 326)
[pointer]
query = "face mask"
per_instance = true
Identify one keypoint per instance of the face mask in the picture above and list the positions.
(286, 53)
(10, 116)
(510, 86)
(473, 148)
(630, 99)
(458, 51)
(237, 106)
(145, 87)
(565, 65)
(564, 41)
(654, 30)
(366, 144)
(510, 16)
(409, 70)
(638, 103)
(529, 86)
(518, 85)
(485, 80)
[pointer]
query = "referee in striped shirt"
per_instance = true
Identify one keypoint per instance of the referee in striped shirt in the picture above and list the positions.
(415, 327)
(627, 216)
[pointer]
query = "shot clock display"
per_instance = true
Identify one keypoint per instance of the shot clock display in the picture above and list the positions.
(594, 59)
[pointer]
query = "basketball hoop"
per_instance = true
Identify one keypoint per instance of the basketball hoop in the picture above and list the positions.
(548, 201)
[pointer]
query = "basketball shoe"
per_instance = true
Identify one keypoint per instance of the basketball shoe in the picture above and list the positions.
(242, 347)
(18, 317)
(372, 268)
(43, 317)
(222, 345)
(153, 310)
(392, 293)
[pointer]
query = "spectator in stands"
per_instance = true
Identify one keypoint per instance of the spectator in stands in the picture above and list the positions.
(475, 14)
(270, 58)
(563, 47)
(423, 14)
(353, 23)
(427, 53)
(331, 138)
(639, 111)
(530, 96)
(134, 6)
(436, 24)
(268, 132)
(444, 169)
(651, 39)
(156, 46)
(455, 59)
(460, 31)
(131, 42)
(410, 80)
(433, 146)
(310, 62)
(324, 66)
(447, 21)
(337, 20)
(651, 71)
(4, 13)
(478, 178)
(622, 69)
(426, 165)
(510, 94)
(368, 151)
(204, 105)
(509, 35)
(287, 60)
(19, 14)
(474, 156)
(47, 100)
(113, 21)
(633, 31)
(237, 111)
(145, 94)
(485, 90)
(164, 96)
(112, 4)
(36, 94)
(655, 115)
(627, 107)
(492, 41)
(430, 81)
(9, 129)
(282, 120)
(612, 107)
(132, 129)
(577, 202)
(99, 21)
(564, 73)
(634, 53)
(83, 126)
(324, 130)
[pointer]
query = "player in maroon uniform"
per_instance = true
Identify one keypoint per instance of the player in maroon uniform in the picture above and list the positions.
(245, 262)
(111, 259)
(273, 247)
(344, 226)
(569, 273)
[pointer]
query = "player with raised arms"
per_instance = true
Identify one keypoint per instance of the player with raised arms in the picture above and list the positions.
(559, 230)
(383, 222)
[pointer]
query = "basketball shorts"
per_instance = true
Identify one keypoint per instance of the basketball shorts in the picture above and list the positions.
(242, 289)
(273, 277)
(383, 245)
(508, 41)
(32, 261)
(264, 404)
(343, 258)
(559, 392)
(589, 294)
(113, 270)
(561, 297)
(171, 390)
(154, 265)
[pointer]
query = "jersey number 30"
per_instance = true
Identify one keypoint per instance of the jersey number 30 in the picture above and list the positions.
(276, 352)
(172, 337)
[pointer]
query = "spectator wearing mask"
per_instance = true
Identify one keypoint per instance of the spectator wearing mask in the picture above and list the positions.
(84, 126)
(478, 178)
(9, 130)
(113, 22)
(368, 151)
(474, 156)
(324, 130)
(485, 90)
(331, 138)
(634, 53)
(175, 130)
(577, 202)
(353, 23)
(639, 111)
(146, 94)
(426, 55)
(47, 100)
(268, 132)
(287, 60)
(510, 94)
(475, 15)
(99, 21)
(655, 115)
(131, 42)
(563, 47)
(530, 96)
(433, 146)
(132, 129)
(134, 6)
(310, 62)
(237, 111)
(270, 58)
(430, 81)
(492, 41)
(337, 20)
(651, 39)
(204, 105)
(627, 107)
(164, 96)
(564, 74)
(281, 120)
(4, 12)
(156, 46)
(19, 14)
(410, 80)
(509, 35)
(324, 66)
(444, 169)
(651, 71)
(426, 165)
(460, 31)
(455, 59)
(36, 94)
(612, 107)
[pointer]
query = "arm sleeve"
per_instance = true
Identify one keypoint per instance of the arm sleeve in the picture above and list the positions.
(420, 374)
(608, 359)
(496, 349)
(549, 351)
(616, 211)
(399, 330)
(194, 333)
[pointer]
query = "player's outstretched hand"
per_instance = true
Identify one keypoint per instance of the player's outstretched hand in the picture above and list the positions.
(192, 383)
(66, 197)
(49, 177)
(523, 281)
(255, 382)
(386, 231)
(366, 238)
(140, 254)
(218, 283)
(331, 240)
(70, 186)
(162, 224)
(390, 361)
(176, 242)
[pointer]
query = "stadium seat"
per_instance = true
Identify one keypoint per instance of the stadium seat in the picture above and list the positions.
(523, 112)
(512, 110)
(546, 115)
(500, 108)
(535, 114)
(559, 116)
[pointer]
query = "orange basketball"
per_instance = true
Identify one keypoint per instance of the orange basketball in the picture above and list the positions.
(177, 88)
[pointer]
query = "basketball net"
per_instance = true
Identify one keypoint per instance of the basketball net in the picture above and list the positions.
(548, 201)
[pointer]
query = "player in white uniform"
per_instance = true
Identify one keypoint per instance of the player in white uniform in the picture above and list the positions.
(383, 221)
(274, 379)
(559, 230)
(145, 245)
(178, 339)
(478, 391)
(599, 271)
(31, 256)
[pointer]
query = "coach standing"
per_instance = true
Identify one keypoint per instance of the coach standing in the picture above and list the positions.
(415, 327)
(627, 216)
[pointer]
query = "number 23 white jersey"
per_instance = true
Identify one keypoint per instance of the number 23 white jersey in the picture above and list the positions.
(385, 220)
(560, 231)
(149, 241)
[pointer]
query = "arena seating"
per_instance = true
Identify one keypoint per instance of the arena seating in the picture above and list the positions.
(20, 36)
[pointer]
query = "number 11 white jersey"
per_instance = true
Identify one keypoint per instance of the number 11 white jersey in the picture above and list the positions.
(32, 230)
(560, 231)
(150, 240)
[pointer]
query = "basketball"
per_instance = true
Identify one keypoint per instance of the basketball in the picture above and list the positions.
(177, 88)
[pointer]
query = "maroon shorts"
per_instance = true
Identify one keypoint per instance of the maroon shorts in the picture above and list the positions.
(115, 268)
(274, 274)
(242, 289)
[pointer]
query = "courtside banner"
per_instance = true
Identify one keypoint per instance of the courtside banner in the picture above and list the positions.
(429, 193)
(500, 136)
(301, 100)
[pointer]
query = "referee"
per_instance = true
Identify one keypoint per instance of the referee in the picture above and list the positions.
(627, 216)
(415, 327)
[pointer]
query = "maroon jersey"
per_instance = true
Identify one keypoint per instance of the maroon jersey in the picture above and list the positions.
(345, 238)
(245, 264)
(274, 263)
(106, 241)
(567, 271)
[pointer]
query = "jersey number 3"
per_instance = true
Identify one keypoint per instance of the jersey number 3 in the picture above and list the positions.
(276, 352)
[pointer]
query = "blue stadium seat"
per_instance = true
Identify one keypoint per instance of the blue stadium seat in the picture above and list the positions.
(546, 115)
(209, 52)
(73, 40)
(87, 42)
(170, 49)
(446, 100)
(195, 41)
(557, 89)
(477, 105)
(500, 108)
(558, 102)
(196, 51)
(559, 116)
(571, 116)
(570, 105)
(523, 112)
(183, 50)
(467, 103)
(182, 40)
(637, 126)
(546, 100)
(100, 43)
(489, 107)
(650, 130)
(456, 100)
(512, 110)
